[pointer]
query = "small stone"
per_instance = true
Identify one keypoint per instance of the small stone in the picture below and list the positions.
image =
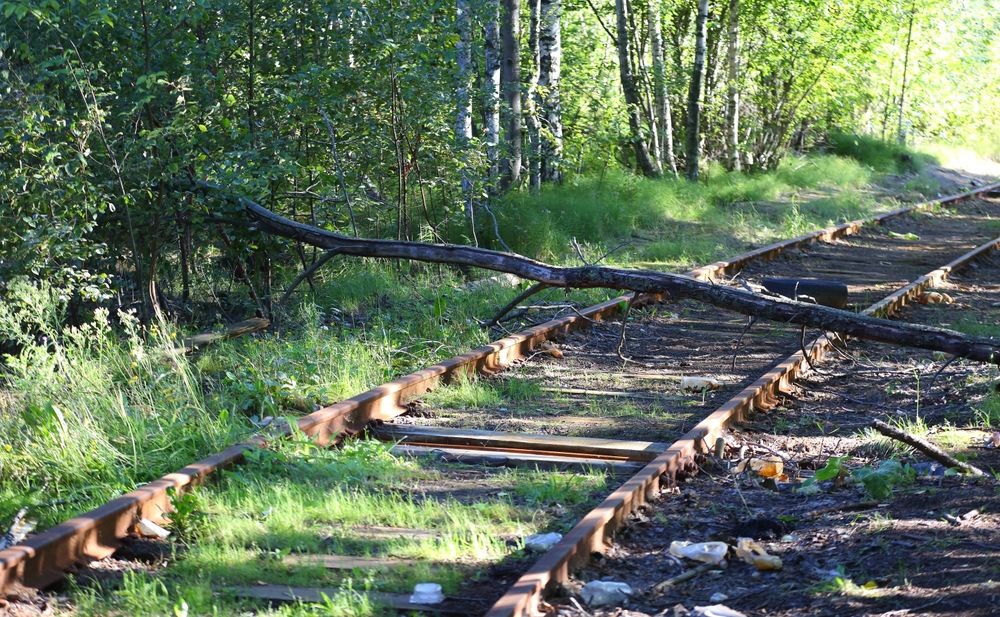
(718, 597)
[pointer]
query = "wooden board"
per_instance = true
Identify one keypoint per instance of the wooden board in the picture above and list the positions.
(584, 447)
(398, 601)
(346, 562)
(511, 459)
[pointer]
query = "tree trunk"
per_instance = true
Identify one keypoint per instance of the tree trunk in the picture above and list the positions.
(647, 165)
(661, 99)
(643, 281)
(463, 99)
(510, 77)
(492, 92)
(901, 135)
(733, 92)
(533, 103)
(694, 92)
(549, 64)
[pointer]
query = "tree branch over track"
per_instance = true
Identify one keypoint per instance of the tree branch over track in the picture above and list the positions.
(642, 281)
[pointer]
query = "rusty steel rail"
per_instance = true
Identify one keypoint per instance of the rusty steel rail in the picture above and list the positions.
(588, 536)
(43, 558)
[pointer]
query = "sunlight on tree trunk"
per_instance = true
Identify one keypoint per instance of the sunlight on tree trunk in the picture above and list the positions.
(510, 78)
(694, 93)
(550, 67)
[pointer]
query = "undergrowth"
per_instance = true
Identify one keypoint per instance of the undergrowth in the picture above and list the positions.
(296, 499)
(91, 411)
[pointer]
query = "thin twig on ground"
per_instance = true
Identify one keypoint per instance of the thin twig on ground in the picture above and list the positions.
(925, 447)
(684, 576)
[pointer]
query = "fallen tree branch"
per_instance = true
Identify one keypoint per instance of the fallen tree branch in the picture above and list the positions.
(642, 281)
(521, 297)
(305, 274)
(926, 447)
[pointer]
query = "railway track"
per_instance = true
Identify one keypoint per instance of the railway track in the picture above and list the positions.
(554, 412)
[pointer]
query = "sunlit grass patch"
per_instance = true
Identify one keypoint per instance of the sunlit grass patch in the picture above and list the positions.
(465, 393)
(558, 487)
(988, 411)
(297, 499)
(880, 446)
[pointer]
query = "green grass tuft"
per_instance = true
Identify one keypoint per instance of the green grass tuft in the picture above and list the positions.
(879, 155)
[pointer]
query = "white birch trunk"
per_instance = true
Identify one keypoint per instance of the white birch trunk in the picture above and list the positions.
(661, 100)
(463, 100)
(510, 77)
(733, 92)
(533, 103)
(694, 92)
(550, 61)
(492, 91)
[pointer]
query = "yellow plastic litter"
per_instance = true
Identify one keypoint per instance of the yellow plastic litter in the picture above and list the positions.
(768, 467)
(755, 555)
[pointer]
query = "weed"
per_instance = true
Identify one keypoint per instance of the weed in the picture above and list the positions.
(880, 522)
(988, 411)
(516, 389)
(879, 445)
(186, 512)
(879, 482)
(465, 393)
(556, 487)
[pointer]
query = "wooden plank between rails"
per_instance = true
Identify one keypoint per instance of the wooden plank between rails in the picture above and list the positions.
(520, 442)
(347, 562)
(41, 559)
(527, 460)
(318, 595)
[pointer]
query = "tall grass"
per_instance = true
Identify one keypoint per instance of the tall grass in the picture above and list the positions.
(679, 223)
(90, 411)
(882, 156)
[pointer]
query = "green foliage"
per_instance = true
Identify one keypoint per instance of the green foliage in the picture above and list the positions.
(988, 411)
(691, 223)
(554, 487)
(877, 154)
(465, 393)
(88, 412)
(186, 512)
(880, 481)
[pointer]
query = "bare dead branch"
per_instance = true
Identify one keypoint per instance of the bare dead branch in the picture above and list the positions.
(641, 281)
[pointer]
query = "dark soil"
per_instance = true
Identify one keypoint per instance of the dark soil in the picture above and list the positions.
(931, 547)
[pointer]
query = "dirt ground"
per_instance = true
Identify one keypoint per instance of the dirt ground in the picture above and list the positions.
(931, 547)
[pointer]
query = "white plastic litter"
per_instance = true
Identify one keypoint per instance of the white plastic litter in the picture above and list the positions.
(699, 383)
(151, 530)
(604, 593)
(707, 552)
(717, 610)
(426, 593)
(542, 541)
(718, 597)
